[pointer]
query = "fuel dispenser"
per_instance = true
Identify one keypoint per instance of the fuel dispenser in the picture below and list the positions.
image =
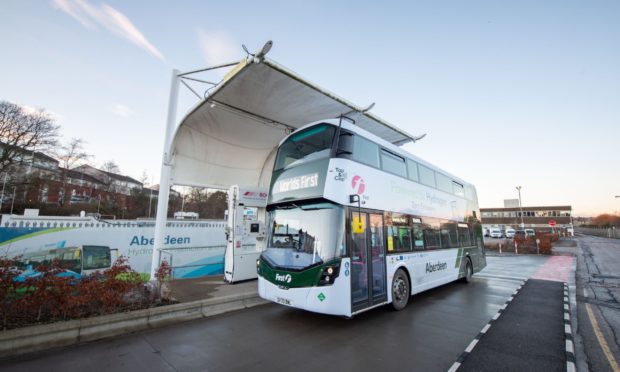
(245, 232)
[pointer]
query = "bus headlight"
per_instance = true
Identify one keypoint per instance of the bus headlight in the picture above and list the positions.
(329, 274)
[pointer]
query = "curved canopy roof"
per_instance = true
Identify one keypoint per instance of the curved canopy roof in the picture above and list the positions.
(231, 136)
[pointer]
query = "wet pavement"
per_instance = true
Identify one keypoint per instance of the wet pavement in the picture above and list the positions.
(429, 335)
(598, 296)
(187, 290)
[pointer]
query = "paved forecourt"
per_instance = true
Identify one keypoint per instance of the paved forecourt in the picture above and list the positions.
(428, 335)
(532, 331)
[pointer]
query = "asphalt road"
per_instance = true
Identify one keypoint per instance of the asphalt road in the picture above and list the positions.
(429, 335)
(598, 296)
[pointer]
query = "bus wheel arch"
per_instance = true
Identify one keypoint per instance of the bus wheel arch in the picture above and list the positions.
(401, 288)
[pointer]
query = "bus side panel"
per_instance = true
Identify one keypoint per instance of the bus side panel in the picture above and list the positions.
(427, 269)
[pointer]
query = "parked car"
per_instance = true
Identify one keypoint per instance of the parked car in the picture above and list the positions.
(510, 232)
(495, 233)
(519, 235)
(530, 233)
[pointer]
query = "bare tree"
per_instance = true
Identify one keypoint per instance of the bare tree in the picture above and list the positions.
(144, 178)
(23, 132)
(70, 155)
(110, 166)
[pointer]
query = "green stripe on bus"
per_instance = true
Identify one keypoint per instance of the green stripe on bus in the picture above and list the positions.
(459, 257)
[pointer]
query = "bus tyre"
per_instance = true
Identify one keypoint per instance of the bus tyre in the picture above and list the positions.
(469, 271)
(400, 290)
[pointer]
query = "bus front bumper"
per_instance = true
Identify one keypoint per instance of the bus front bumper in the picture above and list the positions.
(333, 299)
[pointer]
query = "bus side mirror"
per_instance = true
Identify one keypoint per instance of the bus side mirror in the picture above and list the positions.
(345, 144)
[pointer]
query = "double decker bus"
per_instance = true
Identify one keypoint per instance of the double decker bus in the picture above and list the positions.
(355, 222)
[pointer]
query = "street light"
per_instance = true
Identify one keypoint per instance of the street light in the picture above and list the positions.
(521, 208)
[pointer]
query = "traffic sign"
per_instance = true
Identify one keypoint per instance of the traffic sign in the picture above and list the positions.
(552, 223)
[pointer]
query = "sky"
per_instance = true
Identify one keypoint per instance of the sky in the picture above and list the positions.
(510, 93)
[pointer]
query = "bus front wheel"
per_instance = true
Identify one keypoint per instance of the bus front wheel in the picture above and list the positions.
(400, 290)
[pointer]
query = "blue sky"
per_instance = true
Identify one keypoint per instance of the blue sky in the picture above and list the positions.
(510, 92)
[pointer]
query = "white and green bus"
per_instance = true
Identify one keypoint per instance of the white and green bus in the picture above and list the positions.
(355, 222)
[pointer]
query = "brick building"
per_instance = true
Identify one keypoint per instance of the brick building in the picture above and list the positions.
(536, 218)
(37, 177)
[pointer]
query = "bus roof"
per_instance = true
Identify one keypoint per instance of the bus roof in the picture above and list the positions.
(231, 136)
(395, 149)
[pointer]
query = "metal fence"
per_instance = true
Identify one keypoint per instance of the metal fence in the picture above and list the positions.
(609, 232)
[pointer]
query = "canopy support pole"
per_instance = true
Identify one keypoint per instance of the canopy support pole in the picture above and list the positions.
(165, 178)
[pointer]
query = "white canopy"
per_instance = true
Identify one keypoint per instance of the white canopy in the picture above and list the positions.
(231, 136)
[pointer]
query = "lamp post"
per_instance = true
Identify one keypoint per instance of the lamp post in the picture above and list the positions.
(521, 208)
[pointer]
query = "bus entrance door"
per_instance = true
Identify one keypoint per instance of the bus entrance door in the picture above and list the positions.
(368, 280)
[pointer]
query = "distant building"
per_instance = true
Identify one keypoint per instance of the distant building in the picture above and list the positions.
(536, 218)
(35, 176)
(116, 183)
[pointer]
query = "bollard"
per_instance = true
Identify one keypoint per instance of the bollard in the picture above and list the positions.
(516, 248)
(500, 248)
(537, 246)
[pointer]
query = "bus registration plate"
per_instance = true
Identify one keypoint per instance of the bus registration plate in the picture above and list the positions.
(284, 301)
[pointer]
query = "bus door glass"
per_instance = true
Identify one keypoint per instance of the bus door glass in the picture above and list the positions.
(368, 262)
(377, 256)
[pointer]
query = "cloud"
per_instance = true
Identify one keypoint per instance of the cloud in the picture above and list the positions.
(218, 47)
(34, 111)
(122, 110)
(117, 23)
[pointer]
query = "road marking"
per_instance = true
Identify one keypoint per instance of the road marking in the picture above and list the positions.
(471, 346)
(491, 276)
(601, 339)
(484, 330)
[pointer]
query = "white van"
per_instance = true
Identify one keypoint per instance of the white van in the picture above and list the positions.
(510, 232)
(495, 233)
